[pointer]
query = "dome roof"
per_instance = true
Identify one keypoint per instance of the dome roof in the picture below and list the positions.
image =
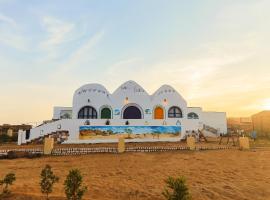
(92, 89)
(166, 91)
(130, 88)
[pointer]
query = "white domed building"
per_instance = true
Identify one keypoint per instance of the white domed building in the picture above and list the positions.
(98, 116)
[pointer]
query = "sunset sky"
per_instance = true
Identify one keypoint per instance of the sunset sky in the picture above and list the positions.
(215, 53)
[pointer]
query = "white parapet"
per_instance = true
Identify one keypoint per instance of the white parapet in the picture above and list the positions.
(21, 137)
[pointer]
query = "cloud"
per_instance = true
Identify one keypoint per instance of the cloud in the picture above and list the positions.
(58, 32)
(8, 20)
(80, 57)
(187, 74)
(83, 53)
(10, 34)
(124, 66)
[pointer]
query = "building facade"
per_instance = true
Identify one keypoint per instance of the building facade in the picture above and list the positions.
(240, 123)
(97, 115)
(261, 123)
(11, 130)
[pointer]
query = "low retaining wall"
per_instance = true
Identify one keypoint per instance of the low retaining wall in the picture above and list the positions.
(82, 151)
(154, 149)
(34, 151)
(85, 151)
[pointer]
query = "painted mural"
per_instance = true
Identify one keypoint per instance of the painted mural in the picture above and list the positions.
(128, 132)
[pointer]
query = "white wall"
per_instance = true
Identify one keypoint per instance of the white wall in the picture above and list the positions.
(129, 93)
(57, 110)
(194, 124)
(217, 120)
(172, 97)
(94, 95)
(73, 125)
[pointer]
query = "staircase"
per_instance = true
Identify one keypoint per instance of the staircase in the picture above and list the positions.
(209, 131)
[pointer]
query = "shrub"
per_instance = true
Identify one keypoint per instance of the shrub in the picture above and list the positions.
(73, 185)
(48, 179)
(6, 182)
(16, 154)
(4, 138)
(176, 189)
(34, 155)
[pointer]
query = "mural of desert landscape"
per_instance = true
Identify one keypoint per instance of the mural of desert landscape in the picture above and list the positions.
(130, 132)
(134, 100)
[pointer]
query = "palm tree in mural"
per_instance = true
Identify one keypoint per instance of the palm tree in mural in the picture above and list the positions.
(110, 132)
(128, 131)
(156, 133)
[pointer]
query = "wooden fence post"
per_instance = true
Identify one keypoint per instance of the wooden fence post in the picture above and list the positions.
(121, 145)
(243, 143)
(48, 146)
(191, 142)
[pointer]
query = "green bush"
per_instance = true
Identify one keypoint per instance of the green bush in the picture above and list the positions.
(176, 189)
(73, 185)
(48, 179)
(6, 182)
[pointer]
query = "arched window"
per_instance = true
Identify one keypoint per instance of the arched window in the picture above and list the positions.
(106, 113)
(193, 115)
(175, 112)
(132, 112)
(158, 113)
(87, 112)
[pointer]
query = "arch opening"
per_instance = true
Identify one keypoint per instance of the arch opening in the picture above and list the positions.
(175, 112)
(132, 112)
(193, 115)
(87, 112)
(106, 113)
(158, 113)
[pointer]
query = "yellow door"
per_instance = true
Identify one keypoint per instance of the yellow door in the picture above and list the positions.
(159, 113)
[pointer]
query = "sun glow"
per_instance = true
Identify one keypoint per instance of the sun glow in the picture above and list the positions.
(266, 104)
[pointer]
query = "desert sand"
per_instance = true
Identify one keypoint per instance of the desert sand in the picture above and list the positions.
(213, 174)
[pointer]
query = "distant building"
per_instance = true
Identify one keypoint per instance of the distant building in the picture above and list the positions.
(240, 123)
(10, 130)
(261, 123)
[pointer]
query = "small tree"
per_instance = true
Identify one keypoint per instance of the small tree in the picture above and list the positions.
(48, 179)
(6, 182)
(73, 185)
(176, 189)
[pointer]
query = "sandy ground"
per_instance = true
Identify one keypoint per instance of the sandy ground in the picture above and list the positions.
(216, 174)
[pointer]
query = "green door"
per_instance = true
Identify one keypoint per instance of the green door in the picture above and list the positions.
(106, 113)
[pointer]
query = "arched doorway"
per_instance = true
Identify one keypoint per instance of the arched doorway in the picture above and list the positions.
(106, 113)
(132, 112)
(158, 113)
